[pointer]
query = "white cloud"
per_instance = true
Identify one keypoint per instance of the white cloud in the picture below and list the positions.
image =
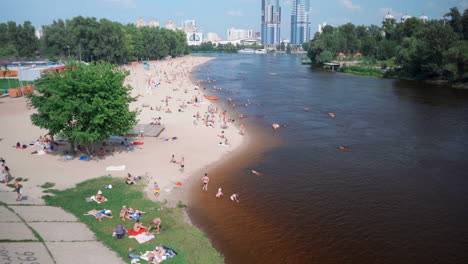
(348, 4)
(120, 3)
(235, 13)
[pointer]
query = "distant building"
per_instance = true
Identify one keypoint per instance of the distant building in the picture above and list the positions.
(321, 26)
(300, 21)
(404, 18)
(234, 33)
(170, 25)
(153, 23)
(140, 22)
(39, 32)
(388, 16)
(213, 37)
(271, 22)
(423, 18)
(189, 26)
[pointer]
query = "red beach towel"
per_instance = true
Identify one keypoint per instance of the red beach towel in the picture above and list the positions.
(133, 233)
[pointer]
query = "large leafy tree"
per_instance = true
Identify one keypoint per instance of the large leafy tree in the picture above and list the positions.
(85, 104)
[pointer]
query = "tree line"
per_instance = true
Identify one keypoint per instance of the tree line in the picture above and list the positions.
(89, 39)
(223, 48)
(433, 49)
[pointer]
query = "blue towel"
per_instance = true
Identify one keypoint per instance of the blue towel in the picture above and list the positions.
(84, 157)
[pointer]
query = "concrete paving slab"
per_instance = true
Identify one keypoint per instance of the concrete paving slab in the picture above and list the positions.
(15, 231)
(43, 214)
(10, 198)
(63, 231)
(82, 252)
(8, 216)
(24, 252)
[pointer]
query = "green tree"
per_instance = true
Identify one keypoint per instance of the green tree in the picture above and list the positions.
(455, 20)
(288, 48)
(86, 104)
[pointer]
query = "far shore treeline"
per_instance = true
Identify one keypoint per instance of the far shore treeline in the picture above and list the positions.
(90, 39)
(434, 49)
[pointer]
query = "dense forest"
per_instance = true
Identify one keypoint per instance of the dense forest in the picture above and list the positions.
(433, 49)
(91, 39)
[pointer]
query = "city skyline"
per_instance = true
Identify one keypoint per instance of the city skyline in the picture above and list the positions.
(219, 17)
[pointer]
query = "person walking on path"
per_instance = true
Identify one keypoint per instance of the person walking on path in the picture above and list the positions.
(18, 189)
(205, 181)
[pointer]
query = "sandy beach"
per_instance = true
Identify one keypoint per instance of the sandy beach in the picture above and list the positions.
(197, 143)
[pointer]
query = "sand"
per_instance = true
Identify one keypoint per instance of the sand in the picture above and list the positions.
(197, 144)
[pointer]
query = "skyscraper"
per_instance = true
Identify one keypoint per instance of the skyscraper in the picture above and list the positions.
(300, 21)
(271, 22)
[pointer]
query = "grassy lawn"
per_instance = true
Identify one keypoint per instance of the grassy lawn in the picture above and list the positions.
(191, 244)
(13, 83)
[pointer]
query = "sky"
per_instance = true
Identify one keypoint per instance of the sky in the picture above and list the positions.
(219, 15)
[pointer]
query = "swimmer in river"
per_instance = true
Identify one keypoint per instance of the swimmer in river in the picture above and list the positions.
(332, 115)
(275, 126)
(257, 173)
(205, 181)
(343, 148)
(219, 194)
(234, 197)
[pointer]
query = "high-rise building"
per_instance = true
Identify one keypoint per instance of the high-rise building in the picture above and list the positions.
(153, 23)
(140, 22)
(170, 25)
(213, 37)
(189, 26)
(235, 34)
(271, 22)
(300, 21)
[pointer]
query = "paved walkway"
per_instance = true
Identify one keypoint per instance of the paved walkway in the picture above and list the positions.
(31, 232)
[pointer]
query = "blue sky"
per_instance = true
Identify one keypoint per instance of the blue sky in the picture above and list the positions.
(219, 15)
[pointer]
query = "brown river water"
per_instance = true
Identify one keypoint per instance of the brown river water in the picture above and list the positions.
(399, 195)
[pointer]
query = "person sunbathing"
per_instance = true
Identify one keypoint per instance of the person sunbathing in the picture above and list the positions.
(99, 214)
(99, 198)
(156, 223)
(155, 256)
(130, 179)
(138, 226)
(124, 213)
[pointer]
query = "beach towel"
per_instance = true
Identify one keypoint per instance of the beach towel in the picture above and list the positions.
(133, 233)
(138, 143)
(116, 168)
(142, 238)
(84, 157)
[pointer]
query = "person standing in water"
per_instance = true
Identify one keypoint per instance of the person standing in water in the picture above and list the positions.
(205, 181)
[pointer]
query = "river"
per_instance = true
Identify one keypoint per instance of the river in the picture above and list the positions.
(398, 195)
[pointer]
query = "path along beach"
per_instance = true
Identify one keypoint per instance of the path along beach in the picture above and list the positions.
(197, 144)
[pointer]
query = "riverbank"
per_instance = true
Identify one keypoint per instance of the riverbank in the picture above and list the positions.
(195, 146)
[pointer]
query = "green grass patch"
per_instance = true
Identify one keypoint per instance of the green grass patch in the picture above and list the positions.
(11, 83)
(48, 185)
(191, 245)
(360, 70)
